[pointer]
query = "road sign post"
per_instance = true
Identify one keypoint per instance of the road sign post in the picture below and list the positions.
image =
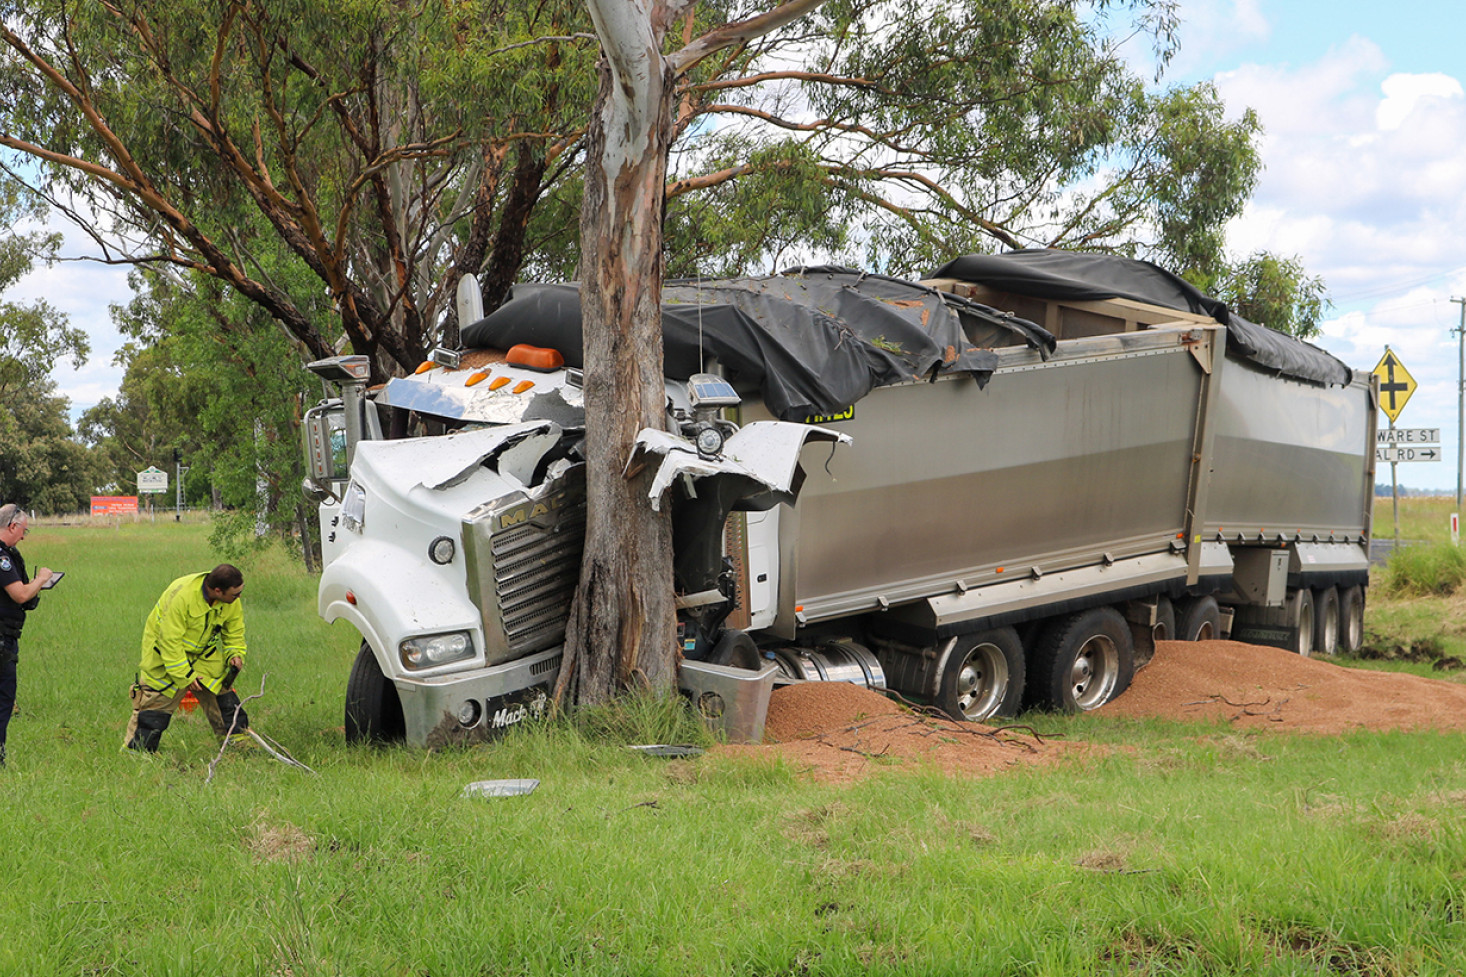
(1395, 387)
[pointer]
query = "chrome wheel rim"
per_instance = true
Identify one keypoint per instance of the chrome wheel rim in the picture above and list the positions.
(982, 682)
(1094, 672)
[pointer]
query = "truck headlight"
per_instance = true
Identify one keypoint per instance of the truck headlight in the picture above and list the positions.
(353, 507)
(431, 650)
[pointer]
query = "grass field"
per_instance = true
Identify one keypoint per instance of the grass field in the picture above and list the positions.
(1167, 849)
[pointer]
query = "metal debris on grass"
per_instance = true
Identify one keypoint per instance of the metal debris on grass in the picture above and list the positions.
(500, 788)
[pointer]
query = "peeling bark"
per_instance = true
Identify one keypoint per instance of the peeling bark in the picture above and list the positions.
(622, 629)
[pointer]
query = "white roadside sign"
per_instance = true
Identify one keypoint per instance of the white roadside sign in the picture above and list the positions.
(152, 481)
(1406, 452)
(1408, 435)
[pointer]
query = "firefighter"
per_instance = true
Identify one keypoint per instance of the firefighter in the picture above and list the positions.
(193, 642)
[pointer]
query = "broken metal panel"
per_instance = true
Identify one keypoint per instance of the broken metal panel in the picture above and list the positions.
(764, 451)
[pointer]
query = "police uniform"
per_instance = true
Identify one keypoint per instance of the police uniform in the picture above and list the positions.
(186, 639)
(12, 620)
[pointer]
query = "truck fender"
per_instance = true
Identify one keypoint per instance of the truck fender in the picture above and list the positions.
(765, 451)
(377, 574)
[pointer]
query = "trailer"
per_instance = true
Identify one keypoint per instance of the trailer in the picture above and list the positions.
(989, 491)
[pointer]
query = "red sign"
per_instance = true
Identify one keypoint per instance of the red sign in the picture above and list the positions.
(114, 505)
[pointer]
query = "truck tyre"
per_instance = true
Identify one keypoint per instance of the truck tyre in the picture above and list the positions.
(1082, 661)
(736, 648)
(1326, 620)
(983, 676)
(1165, 620)
(373, 711)
(1199, 619)
(1351, 620)
(1300, 618)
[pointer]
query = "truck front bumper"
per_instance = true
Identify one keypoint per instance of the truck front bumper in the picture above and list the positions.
(474, 706)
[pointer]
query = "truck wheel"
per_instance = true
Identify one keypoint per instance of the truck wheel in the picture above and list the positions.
(1165, 620)
(1199, 619)
(1082, 661)
(373, 711)
(983, 676)
(1300, 618)
(1351, 620)
(738, 649)
(1326, 621)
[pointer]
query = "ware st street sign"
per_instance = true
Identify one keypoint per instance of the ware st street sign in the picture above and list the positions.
(1408, 435)
(1395, 384)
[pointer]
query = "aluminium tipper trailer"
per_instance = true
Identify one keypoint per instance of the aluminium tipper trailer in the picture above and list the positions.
(1015, 521)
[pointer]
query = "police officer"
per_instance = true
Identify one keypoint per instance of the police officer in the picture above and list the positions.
(18, 594)
(193, 642)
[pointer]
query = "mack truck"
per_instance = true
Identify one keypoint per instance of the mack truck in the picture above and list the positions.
(990, 490)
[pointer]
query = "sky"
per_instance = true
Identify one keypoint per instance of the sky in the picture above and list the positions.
(1364, 150)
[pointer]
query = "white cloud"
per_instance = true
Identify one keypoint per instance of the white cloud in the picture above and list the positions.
(84, 291)
(1365, 180)
(1405, 93)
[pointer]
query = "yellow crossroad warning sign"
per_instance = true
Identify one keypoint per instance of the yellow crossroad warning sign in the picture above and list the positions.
(1395, 384)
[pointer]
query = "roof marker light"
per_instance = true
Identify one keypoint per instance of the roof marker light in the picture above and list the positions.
(534, 358)
(477, 378)
(424, 367)
(498, 382)
(522, 386)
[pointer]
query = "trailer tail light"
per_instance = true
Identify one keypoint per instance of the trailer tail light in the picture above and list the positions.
(534, 358)
(351, 597)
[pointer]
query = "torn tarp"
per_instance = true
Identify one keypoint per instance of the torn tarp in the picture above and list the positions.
(1081, 276)
(812, 343)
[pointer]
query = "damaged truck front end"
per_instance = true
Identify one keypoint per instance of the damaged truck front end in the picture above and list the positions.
(456, 556)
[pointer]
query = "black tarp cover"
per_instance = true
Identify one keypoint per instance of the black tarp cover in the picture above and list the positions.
(813, 343)
(1078, 276)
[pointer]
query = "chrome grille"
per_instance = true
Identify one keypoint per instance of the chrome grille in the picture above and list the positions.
(535, 573)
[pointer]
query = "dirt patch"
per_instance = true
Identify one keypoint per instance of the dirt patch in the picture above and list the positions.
(839, 733)
(1255, 687)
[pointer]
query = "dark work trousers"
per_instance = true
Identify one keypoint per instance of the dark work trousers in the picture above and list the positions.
(9, 652)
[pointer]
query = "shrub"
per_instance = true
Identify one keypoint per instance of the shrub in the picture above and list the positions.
(1424, 570)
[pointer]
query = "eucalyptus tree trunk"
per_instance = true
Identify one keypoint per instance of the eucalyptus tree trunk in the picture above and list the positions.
(623, 626)
(622, 629)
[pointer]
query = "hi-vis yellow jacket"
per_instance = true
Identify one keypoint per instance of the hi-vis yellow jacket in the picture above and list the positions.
(187, 638)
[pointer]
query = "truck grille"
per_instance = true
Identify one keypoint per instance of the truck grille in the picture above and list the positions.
(535, 573)
(523, 560)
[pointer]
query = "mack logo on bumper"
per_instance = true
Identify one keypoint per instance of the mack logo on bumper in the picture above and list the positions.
(512, 713)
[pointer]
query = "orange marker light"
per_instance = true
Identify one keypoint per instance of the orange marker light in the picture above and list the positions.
(534, 357)
(477, 378)
(497, 382)
(522, 386)
(424, 367)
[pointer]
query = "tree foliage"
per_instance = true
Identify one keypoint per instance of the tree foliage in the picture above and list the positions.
(352, 136)
(386, 147)
(42, 467)
(33, 335)
(210, 375)
(1276, 292)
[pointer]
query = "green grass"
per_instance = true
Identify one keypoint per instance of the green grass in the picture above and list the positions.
(1166, 848)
